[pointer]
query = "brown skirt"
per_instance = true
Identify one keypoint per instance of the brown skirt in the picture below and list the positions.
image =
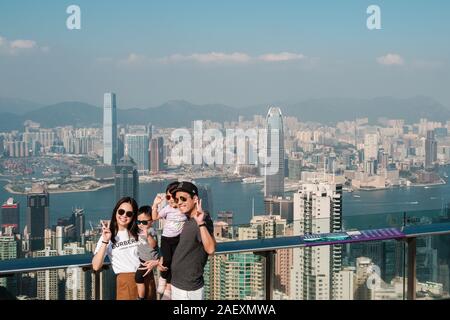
(126, 288)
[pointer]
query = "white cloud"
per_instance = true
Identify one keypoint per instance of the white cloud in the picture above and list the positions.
(13, 47)
(211, 57)
(391, 59)
(22, 44)
(134, 59)
(283, 56)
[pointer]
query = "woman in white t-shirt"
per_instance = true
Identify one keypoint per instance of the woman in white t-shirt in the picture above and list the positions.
(119, 241)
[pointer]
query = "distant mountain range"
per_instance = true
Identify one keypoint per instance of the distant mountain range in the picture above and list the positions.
(179, 113)
(17, 106)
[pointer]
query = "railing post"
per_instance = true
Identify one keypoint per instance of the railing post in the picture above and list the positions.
(96, 280)
(411, 269)
(269, 272)
(97, 284)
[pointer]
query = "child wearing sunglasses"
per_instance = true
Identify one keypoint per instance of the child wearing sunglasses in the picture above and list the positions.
(173, 225)
(147, 249)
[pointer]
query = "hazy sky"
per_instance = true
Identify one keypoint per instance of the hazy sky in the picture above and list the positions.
(233, 52)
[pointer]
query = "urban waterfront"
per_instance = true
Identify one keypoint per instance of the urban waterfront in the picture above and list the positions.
(360, 208)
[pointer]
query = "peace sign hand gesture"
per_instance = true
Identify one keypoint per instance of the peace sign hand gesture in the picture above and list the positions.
(106, 232)
(200, 216)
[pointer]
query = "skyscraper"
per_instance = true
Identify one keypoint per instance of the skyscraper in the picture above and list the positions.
(120, 144)
(283, 265)
(77, 281)
(126, 179)
(47, 280)
(78, 222)
(157, 155)
(317, 209)
(109, 129)
(38, 202)
(274, 166)
(9, 249)
(236, 276)
(225, 216)
(241, 275)
(59, 239)
(364, 267)
(205, 194)
(283, 207)
(136, 146)
(370, 146)
(430, 149)
(295, 169)
(11, 215)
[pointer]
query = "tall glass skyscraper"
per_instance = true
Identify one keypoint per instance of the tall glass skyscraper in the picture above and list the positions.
(136, 147)
(156, 155)
(109, 129)
(274, 167)
(205, 194)
(126, 179)
(38, 202)
(430, 149)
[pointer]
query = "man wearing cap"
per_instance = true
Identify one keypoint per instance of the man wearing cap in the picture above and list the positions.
(196, 243)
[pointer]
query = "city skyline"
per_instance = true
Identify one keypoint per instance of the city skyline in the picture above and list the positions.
(317, 134)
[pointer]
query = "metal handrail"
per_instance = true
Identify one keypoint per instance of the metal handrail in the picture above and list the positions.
(8, 267)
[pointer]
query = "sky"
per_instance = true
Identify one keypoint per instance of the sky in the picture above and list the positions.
(234, 52)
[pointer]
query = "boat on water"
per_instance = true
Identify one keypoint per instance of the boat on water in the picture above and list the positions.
(252, 180)
(231, 179)
(356, 196)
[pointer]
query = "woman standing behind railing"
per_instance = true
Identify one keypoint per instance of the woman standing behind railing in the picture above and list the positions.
(119, 241)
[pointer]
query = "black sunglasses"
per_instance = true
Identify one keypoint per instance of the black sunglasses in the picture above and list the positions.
(144, 222)
(168, 197)
(181, 198)
(122, 211)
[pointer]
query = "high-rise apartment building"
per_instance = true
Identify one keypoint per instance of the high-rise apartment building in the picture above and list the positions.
(317, 209)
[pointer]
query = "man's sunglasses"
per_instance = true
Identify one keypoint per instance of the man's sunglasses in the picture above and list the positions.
(121, 212)
(144, 222)
(180, 199)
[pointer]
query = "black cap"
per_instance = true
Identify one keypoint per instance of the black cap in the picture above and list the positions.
(188, 187)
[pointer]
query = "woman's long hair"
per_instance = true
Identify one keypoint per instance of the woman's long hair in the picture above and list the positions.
(132, 226)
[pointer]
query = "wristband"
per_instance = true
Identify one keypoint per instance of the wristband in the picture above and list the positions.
(202, 225)
(105, 242)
